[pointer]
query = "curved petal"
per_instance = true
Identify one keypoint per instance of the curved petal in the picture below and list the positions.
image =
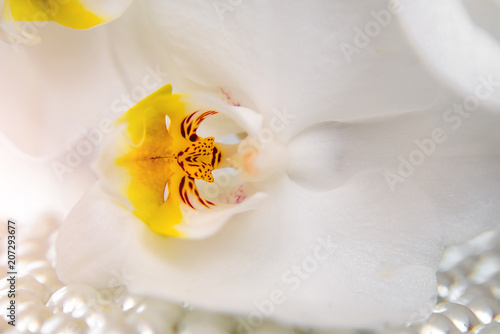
(356, 256)
(26, 186)
(453, 46)
(448, 152)
(32, 187)
(43, 94)
(95, 250)
(296, 60)
(75, 82)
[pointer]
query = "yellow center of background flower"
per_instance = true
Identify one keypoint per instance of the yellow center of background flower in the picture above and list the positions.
(69, 13)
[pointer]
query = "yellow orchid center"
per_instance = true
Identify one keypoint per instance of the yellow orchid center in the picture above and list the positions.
(70, 13)
(164, 160)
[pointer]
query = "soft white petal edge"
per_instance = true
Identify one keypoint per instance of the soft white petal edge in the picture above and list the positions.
(109, 9)
(449, 153)
(453, 46)
(366, 256)
(27, 189)
(200, 225)
(247, 119)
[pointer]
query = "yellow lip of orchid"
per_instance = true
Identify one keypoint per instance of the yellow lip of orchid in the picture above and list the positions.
(165, 160)
(76, 14)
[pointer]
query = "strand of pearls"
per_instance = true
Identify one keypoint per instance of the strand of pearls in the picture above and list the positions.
(468, 298)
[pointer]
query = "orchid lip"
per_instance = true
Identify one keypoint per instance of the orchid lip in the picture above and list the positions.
(169, 165)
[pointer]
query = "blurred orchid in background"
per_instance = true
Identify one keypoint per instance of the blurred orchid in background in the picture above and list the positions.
(309, 166)
(19, 18)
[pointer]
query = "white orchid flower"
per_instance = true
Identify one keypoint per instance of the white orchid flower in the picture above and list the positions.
(346, 204)
(21, 20)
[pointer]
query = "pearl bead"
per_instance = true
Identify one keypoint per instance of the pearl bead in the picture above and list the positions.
(30, 317)
(160, 312)
(463, 318)
(439, 324)
(492, 328)
(43, 272)
(63, 324)
(29, 283)
(458, 286)
(126, 302)
(485, 308)
(79, 300)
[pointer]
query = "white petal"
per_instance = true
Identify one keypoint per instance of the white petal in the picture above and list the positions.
(35, 186)
(453, 46)
(272, 56)
(26, 189)
(378, 268)
(372, 276)
(84, 244)
(453, 159)
(201, 225)
(247, 119)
